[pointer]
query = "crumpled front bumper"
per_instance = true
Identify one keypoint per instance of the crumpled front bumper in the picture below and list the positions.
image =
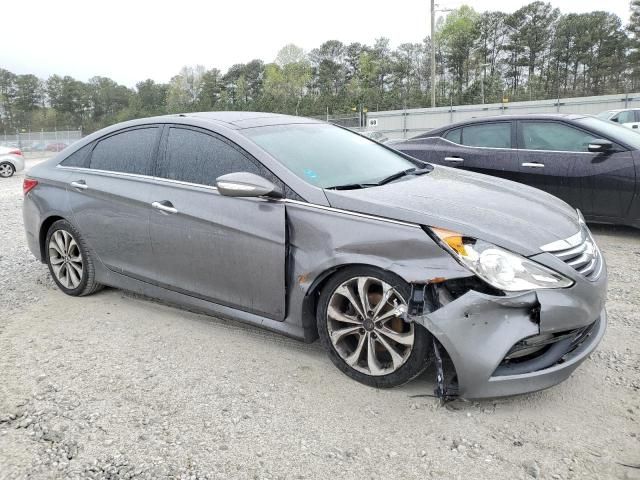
(479, 330)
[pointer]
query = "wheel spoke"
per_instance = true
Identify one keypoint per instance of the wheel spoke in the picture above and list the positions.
(346, 293)
(387, 291)
(338, 334)
(396, 358)
(362, 294)
(405, 338)
(335, 314)
(74, 278)
(372, 361)
(77, 267)
(60, 242)
(55, 260)
(67, 241)
(357, 353)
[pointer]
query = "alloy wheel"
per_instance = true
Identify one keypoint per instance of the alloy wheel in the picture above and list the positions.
(6, 170)
(66, 259)
(365, 326)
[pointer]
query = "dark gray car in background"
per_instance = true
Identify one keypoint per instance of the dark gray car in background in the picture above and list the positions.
(590, 163)
(310, 230)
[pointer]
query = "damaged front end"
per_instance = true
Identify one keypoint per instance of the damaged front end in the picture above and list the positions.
(505, 343)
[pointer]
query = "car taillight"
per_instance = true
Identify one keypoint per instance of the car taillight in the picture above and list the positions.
(16, 151)
(28, 184)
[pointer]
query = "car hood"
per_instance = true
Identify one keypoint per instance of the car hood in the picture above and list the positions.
(505, 213)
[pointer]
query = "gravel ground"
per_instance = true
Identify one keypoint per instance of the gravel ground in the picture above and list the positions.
(115, 386)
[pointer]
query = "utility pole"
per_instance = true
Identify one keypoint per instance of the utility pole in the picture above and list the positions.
(433, 50)
(433, 54)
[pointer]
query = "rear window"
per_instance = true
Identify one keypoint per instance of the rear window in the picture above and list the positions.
(79, 158)
(489, 135)
(127, 152)
(454, 136)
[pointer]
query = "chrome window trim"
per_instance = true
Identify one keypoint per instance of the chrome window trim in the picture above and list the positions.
(208, 187)
(511, 149)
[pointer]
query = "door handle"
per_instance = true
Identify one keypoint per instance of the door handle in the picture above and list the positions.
(533, 165)
(454, 159)
(165, 206)
(79, 184)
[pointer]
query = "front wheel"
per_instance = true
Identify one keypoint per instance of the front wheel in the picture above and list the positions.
(360, 324)
(6, 170)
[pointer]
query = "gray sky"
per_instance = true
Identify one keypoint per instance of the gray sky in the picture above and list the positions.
(133, 40)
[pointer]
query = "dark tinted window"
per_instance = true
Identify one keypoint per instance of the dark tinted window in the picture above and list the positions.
(454, 136)
(555, 136)
(198, 157)
(79, 158)
(128, 152)
(490, 135)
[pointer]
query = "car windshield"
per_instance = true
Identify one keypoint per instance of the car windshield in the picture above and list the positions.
(616, 132)
(327, 156)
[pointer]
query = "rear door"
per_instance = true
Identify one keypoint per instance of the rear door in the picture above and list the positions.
(109, 195)
(479, 147)
(554, 157)
(230, 251)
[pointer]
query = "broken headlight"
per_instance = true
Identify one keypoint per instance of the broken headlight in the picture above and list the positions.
(498, 267)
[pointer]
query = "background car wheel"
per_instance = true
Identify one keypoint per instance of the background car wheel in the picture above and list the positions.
(69, 261)
(360, 326)
(6, 170)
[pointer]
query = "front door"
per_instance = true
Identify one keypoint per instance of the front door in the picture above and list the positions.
(554, 157)
(226, 250)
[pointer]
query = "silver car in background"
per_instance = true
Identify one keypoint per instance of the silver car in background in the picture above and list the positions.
(311, 230)
(627, 117)
(11, 161)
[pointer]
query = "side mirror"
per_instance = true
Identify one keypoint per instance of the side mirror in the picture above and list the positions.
(245, 184)
(600, 146)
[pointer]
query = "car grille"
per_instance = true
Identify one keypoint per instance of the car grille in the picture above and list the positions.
(580, 252)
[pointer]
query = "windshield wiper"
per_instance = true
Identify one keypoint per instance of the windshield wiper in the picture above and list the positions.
(403, 173)
(352, 186)
(390, 178)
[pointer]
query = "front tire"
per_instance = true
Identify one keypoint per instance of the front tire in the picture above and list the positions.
(69, 260)
(360, 324)
(7, 170)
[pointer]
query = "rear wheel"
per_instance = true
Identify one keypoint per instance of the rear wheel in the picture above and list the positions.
(360, 324)
(6, 170)
(69, 260)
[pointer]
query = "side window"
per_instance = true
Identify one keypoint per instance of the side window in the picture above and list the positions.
(79, 158)
(490, 135)
(625, 117)
(554, 136)
(128, 152)
(198, 157)
(454, 136)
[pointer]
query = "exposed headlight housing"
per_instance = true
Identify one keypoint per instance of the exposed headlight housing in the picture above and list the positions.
(498, 267)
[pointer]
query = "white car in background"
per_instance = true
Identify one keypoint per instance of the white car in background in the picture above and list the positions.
(629, 117)
(11, 161)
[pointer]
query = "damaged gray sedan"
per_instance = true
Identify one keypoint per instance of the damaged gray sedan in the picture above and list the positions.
(310, 230)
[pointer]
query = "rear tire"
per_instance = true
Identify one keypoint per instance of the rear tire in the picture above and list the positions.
(360, 325)
(69, 260)
(7, 170)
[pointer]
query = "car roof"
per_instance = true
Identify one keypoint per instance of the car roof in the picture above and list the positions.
(495, 118)
(241, 120)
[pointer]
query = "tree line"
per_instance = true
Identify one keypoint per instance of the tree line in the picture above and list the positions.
(534, 53)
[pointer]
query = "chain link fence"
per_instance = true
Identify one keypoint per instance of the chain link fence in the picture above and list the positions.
(40, 141)
(409, 123)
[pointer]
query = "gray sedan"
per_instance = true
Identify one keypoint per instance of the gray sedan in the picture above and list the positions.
(310, 230)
